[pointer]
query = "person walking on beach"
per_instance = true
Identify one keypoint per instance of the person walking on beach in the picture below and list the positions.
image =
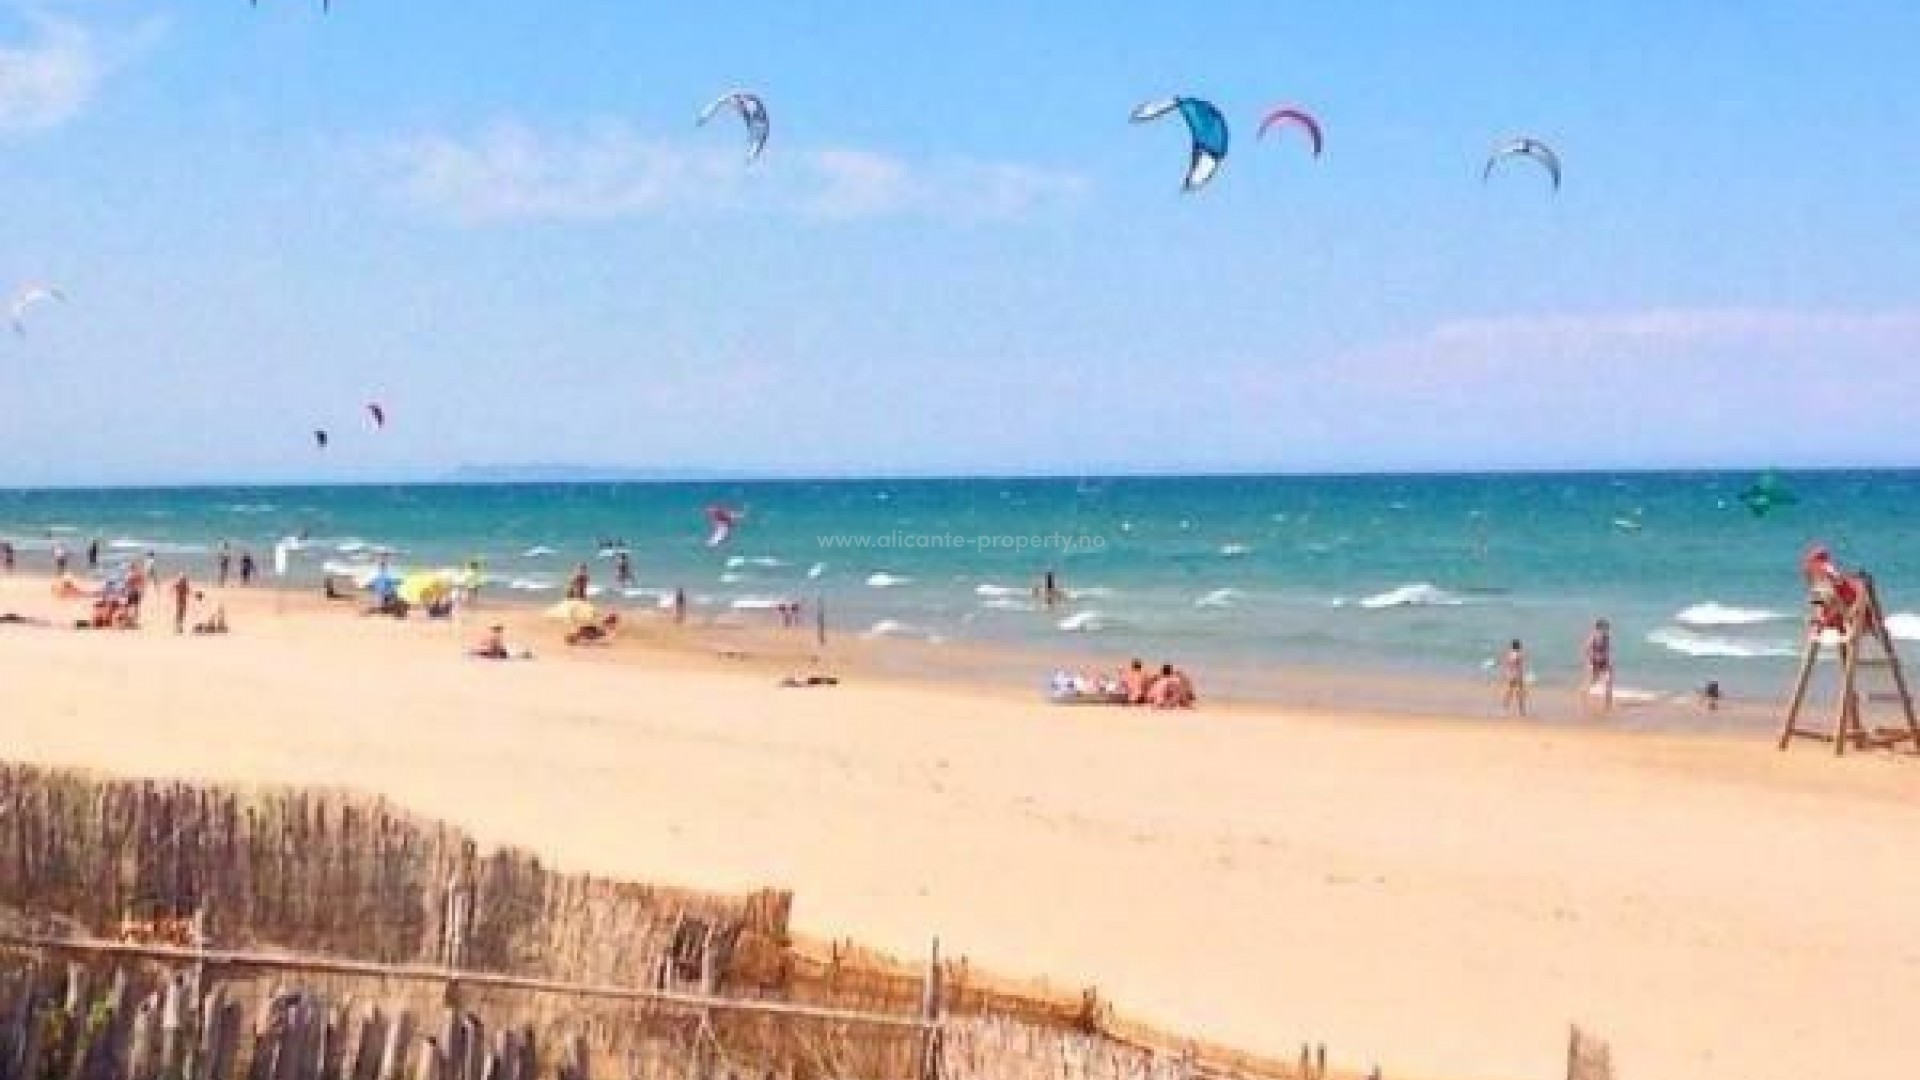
(182, 596)
(578, 584)
(623, 569)
(679, 606)
(1599, 667)
(1513, 697)
(6, 555)
(223, 563)
(59, 557)
(246, 568)
(93, 554)
(153, 568)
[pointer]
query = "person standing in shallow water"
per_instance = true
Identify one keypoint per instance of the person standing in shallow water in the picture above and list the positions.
(1513, 668)
(246, 568)
(1599, 667)
(623, 569)
(578, 584)
(93, 554)
(223, 563)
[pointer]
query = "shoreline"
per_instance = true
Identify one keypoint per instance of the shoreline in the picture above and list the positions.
(1012, 671)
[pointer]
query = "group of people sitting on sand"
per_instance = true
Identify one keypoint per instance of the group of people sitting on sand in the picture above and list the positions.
(1169, 688)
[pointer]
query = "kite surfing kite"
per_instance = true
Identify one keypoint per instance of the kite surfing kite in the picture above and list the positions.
(1766, 495)
(320, 438)
(378, 413)
(722, 518)
(29, 298)
(1540, 152)
(1207, 127)
(753, 112)
(1300, 118)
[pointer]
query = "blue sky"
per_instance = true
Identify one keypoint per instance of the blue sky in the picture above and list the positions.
(956, 255)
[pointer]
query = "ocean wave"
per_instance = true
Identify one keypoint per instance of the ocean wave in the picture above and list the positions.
(758, 603)
(1419, 594)
(537, 551)
(892, 628)
(157, 547)
(1234, 551)
(250, 508)
(731, 578)
(1716, 614)
(1218, 598)
(1904, 625)
(1007, 603)
(816, 570)
(1086, 622)
(1000, 590)
(350, 546)
(885, 581)
(532, 585)
(1091, 592)
(1687, 643)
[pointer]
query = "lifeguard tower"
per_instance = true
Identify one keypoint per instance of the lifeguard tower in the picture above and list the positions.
(1847, 616)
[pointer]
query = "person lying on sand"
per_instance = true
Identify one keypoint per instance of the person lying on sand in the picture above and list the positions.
(15, 619)
(599, 633)
(800, 681)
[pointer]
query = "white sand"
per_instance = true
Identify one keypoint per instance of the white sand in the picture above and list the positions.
(1442, 898)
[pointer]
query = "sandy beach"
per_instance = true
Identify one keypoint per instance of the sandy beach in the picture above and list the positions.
(1440, 896)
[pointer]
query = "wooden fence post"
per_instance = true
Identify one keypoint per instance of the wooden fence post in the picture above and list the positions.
(930, 1006)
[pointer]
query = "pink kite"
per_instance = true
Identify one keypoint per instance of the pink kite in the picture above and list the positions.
(1307, 123)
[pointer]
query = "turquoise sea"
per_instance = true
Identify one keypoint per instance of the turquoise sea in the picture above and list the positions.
(1233, 577)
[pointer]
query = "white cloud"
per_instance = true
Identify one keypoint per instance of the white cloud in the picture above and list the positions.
(514, 172)
(1700, 385)
(48, 79)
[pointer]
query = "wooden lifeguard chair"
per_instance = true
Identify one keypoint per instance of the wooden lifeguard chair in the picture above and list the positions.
(1865, 646)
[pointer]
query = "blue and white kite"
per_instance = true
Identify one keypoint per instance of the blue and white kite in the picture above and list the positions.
(752, 111)
(1207, 127)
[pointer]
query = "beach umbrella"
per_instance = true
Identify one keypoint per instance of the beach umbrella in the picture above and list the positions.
(423, 588)
(573, 611)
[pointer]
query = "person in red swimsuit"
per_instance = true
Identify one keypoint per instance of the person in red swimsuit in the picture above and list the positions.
(1834, 592)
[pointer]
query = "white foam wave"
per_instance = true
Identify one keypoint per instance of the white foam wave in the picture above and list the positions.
(250, 508)
(531, 585)
(1716, 614)
(1218, 598)
(1420, 594)
(816, 570)
(350, 546)
(731, 578)
(1688, 643)
(886, 581)
(1007, 603)
(1000, 590)
(1234, 551)
(537, 551)
(757, 603)
(890, 628)
(1092, 592)
(1085, 622)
